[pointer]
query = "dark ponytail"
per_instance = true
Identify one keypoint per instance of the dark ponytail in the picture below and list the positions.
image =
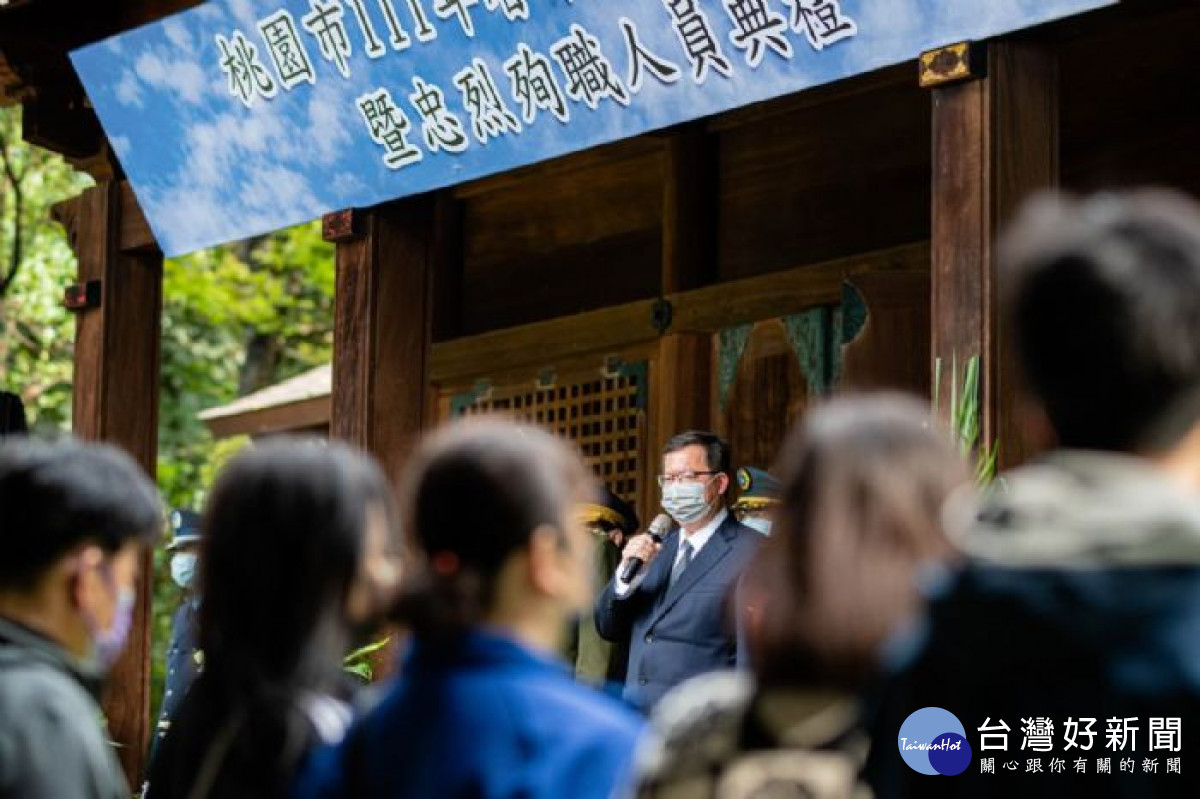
(284, 536)
(474, 495)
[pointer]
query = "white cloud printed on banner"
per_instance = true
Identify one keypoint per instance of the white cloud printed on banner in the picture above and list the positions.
(244, 116)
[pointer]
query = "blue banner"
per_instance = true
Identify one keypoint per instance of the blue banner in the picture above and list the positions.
(245, 116)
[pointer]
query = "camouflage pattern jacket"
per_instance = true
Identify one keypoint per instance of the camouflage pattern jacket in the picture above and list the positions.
(719, 737)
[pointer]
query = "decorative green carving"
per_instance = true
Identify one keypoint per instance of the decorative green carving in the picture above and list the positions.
(818, 337)
(731, 344)
(461, 403)
(810, 333)
(854, 313)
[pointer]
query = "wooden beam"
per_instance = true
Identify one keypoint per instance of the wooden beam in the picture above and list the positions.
(605, 154)
(382, 326)
(116, 400)
(135, 233)
(615, 329)
(995, 141)
(300, 415)
(753, 299)
(689, 214)
(555, 340)
(878, 80)
(704, 310)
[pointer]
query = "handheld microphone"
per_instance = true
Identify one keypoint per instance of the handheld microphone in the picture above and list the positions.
(658, 531)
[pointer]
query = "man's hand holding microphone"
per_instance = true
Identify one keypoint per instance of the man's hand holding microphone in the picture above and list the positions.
(641, 550)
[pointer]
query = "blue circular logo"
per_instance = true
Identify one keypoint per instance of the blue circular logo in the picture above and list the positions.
(933, 741)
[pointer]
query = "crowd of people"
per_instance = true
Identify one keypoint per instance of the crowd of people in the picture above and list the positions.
(745, 665)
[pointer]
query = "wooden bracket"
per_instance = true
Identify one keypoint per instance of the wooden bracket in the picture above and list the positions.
(661, 315)
(83, 296)
(951, 64)
(339, 226)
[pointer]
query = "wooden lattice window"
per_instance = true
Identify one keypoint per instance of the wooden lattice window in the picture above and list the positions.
(604, 416)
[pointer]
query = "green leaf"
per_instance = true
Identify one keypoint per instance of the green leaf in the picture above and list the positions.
(366, 651)
(966, 413)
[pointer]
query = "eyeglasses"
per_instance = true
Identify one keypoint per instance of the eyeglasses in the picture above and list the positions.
(681, 477)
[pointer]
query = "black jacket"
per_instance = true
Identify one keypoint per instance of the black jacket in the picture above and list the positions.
(1080, 600)
(52, 743)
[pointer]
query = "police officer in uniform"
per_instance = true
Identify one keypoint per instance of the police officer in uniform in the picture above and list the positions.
(596, 661)
(758, 499)
(756, 506)
(184, 659)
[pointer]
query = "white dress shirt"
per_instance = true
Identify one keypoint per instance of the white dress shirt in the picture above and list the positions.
(697, 539)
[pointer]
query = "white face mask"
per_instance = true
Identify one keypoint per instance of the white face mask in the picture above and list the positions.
(183, 568)
(758, 523)
(685, 502)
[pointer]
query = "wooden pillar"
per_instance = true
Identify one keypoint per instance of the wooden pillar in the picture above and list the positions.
(116, 400)
(681, 392)
(685, 382)
(383, 321)
(995, 141)
(689, 215)
(681, 386)
(386, 260)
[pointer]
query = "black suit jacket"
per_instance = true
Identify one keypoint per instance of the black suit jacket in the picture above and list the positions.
(683, 630)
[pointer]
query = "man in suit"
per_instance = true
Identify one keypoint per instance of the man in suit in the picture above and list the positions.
(673, 611)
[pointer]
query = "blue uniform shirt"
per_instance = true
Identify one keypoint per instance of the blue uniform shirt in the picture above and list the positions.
(182, 661)
(486, 717)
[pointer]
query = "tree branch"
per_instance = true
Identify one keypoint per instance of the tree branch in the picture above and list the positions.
(14, 180)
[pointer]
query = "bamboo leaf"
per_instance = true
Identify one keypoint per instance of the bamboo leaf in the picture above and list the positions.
(366, 651)
(966, 414)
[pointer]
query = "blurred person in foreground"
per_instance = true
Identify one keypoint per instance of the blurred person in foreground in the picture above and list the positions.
(1077, 613)
(297, 554)
(75, 521)
(482, 706)
(863, 484)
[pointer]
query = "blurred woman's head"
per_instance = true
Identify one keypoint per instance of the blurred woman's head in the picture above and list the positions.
(298, 550)
(490, 508)
(864, 482)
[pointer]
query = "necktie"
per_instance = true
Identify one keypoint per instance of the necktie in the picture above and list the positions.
(681, 563)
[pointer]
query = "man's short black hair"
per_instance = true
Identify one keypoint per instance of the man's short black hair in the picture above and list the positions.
(55, 496)
(715, 448)
(1103, 296)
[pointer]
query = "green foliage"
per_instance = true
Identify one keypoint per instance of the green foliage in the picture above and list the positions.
(36, 333)
(965, 416)
(235, 319)
(358, 662)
